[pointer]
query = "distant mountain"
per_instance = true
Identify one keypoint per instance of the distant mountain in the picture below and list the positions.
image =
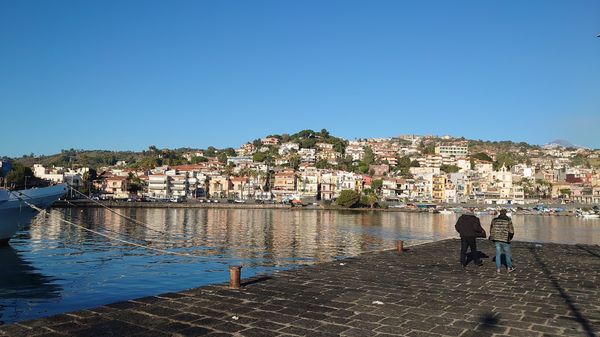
(562, 143)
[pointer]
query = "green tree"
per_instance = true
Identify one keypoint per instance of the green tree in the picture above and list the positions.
(430, 149)
(322, 164)
(362, 168)
(449, 168)
(580, 160)
(308, 143)
(222, 157)
(230, 152)
(415, 163)
(403, 162)
(199, 159)
(18, 174)
(294, 161)
(565, 191)
(345, 163)
(285, 138)
(368, 156)
(482, 156)
(260, 157)
(376, 185)
(504, 159)
(210, 152)
(372, 200)
(134, 183)
(348, 198)
(369, 199)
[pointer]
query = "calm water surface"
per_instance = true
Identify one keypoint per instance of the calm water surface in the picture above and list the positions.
(52, 267)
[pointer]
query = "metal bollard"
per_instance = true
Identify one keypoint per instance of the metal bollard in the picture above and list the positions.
(234, 277)
(399, 247)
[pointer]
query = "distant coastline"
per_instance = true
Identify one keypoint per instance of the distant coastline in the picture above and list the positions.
(568, 209)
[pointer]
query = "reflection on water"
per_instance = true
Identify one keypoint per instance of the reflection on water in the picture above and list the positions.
(22, 283)
(62, 268)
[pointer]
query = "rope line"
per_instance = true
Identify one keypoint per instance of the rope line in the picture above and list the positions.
(127, 242)
(105, 228)
(115, 212)
(43, 211)
(167, 242)
(143, 224)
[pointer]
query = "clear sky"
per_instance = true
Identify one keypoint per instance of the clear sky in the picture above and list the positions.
(123, 75)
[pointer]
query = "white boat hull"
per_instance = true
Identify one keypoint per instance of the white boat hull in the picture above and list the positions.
(14, 212)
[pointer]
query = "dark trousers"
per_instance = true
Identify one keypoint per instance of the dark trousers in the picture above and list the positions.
(466, 243)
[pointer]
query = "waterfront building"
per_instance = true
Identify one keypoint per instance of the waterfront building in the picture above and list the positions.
(403, 188)
(307, 155)
(284, 187)
(483, 167)
(346, 181)
(462, 185)
(423, 171)
(246, 150)
(328, 185)
(308, 182)
(450, 193)
(523, 170)
(270, 141)
(219, 186)
(158, 186)
(430, 161)
(286, 148)
(367, 181)
(178, 185)
(327, 153)
(281, 161)
(438, 188)
(421, 190)
(463, 164)
(355, 149)
(60, 175)
(116, 188)
(389, 187)
(240, 161)
(379, 170)
(456, 150)
(239, 188)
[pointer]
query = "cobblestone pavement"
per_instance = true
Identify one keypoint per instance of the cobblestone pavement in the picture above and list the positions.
(423, 292)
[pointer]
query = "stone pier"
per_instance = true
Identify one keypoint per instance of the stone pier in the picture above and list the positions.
(423, 292)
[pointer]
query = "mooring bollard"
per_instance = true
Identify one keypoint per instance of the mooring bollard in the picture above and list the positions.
(399, 247)
(234, 277)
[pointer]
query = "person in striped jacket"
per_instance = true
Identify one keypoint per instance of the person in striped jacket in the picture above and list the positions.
(502, 232)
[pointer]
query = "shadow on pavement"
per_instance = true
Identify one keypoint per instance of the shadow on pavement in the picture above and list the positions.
(255, 280)
(596, 254)
(568, 300)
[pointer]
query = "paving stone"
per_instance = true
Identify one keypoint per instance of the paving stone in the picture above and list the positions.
(554, 292)
(193, 331)
(229, 327)
(256, 332)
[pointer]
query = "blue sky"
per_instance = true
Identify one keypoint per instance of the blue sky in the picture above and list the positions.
(123, 75)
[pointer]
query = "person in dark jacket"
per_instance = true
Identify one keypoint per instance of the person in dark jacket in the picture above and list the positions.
(502, 232)
(469, 228)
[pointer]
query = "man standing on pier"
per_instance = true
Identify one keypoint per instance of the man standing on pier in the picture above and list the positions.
(502, 232)
(469, 228)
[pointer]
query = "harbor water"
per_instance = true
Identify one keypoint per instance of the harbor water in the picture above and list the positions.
(52, 267)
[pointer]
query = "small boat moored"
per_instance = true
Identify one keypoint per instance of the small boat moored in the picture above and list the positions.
(15, 209)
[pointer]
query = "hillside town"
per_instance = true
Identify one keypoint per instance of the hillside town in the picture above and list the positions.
(315, 167)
